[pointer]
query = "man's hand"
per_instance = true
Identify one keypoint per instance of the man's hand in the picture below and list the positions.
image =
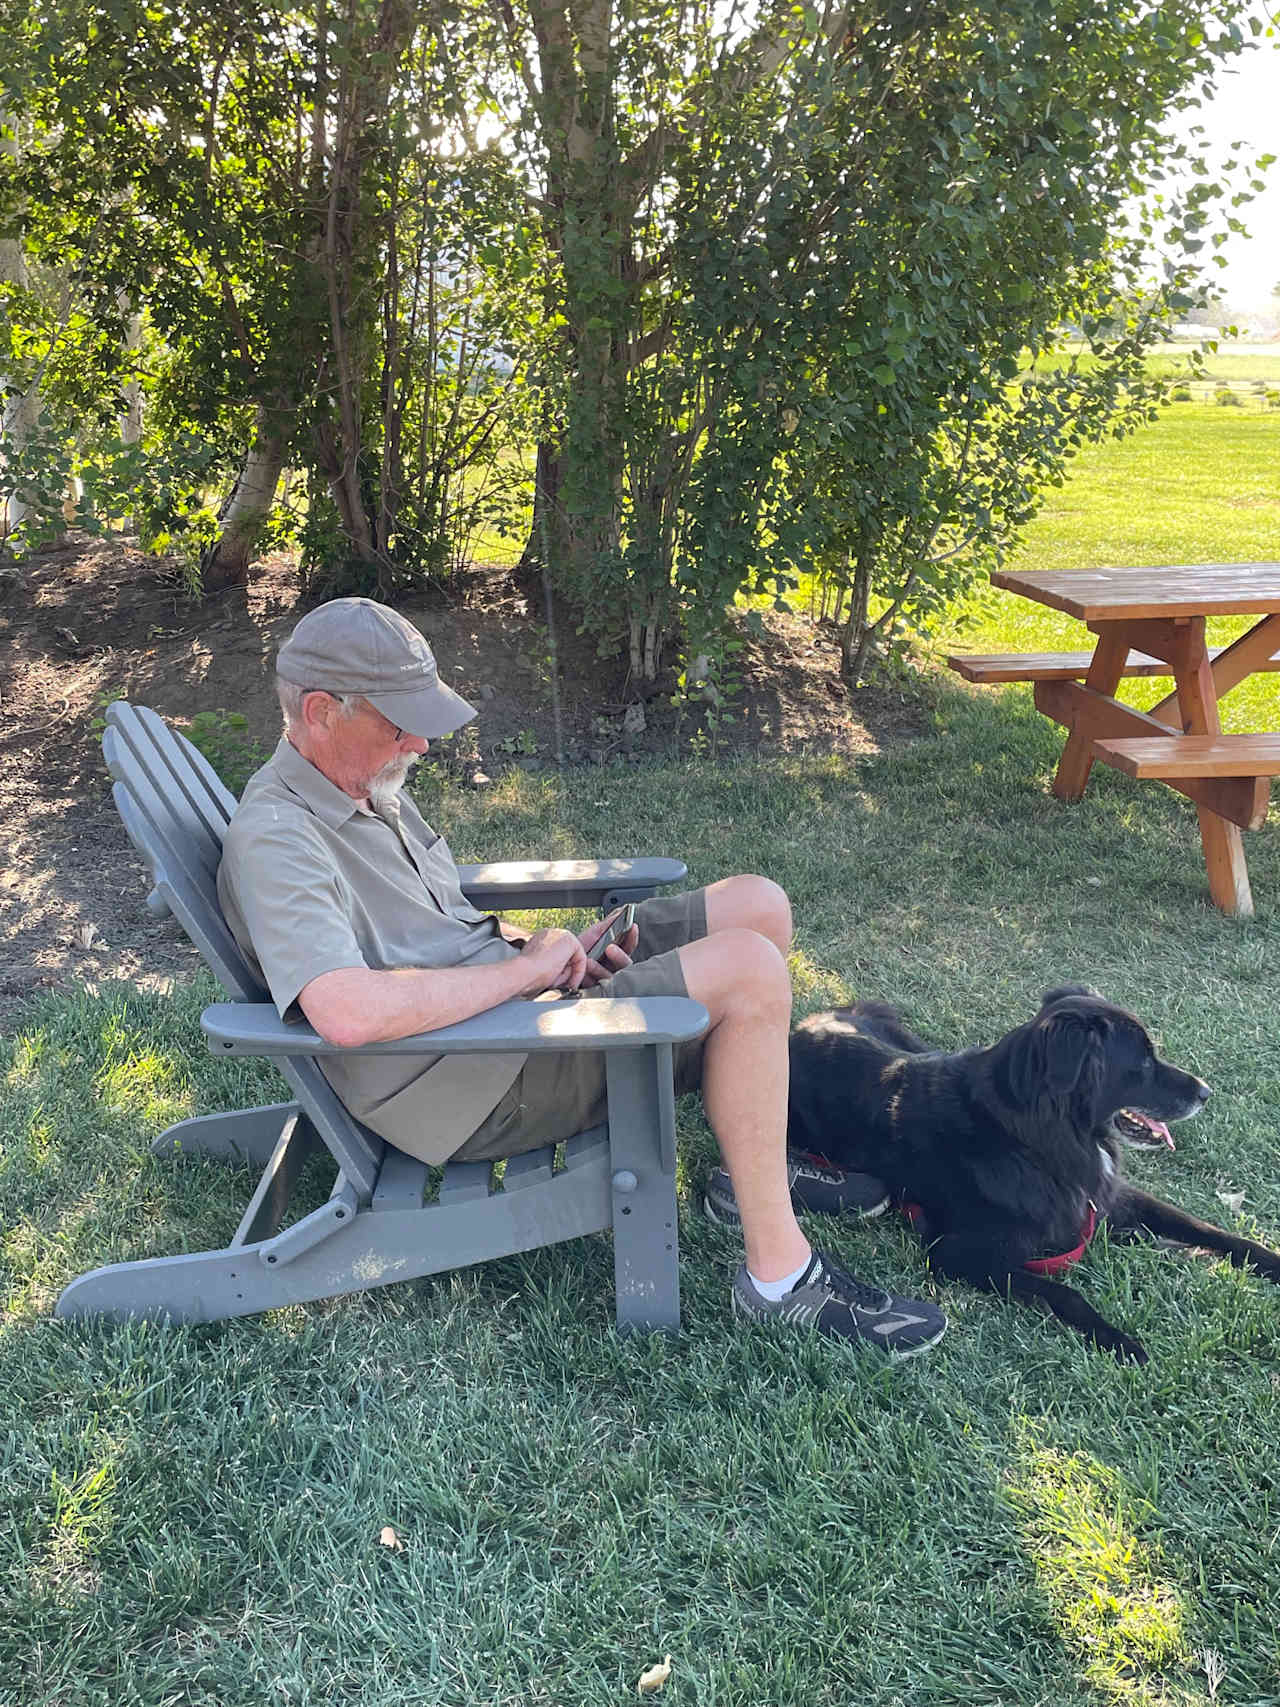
(556, 961)
(615, 957)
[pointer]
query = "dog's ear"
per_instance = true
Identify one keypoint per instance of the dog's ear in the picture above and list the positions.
(1063, 993)
(1068, 1041)
(1075, 1061)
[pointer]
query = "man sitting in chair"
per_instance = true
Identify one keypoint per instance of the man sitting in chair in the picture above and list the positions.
(349, 905)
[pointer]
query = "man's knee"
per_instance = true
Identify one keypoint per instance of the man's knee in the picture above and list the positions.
(738, 971)
(751, 902)
(773, 907)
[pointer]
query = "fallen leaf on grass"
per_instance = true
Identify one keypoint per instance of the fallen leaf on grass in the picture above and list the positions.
(654, 1677)
(1231, 1198)
(389, 1538)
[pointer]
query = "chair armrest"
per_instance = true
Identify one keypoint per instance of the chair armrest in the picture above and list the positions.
(566, 882)
(605, 1022)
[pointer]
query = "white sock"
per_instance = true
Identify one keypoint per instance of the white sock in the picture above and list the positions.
(775, 1289)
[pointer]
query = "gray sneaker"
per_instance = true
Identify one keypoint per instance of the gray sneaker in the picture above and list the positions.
(817, 1186)
(829, 1298)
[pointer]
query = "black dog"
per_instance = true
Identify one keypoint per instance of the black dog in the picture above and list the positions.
(1006, 1157)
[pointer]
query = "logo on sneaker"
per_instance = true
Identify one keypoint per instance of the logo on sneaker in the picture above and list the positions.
(893, 1323)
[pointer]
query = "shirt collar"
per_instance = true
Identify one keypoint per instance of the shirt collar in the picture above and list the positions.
(312, 786)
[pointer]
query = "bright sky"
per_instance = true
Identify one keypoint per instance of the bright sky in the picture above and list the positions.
(1247, 109)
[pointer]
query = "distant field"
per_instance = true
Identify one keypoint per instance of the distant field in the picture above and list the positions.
(1248, 370)
(1201, 485)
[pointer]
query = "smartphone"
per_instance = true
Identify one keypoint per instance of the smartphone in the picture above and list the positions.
(619, 927)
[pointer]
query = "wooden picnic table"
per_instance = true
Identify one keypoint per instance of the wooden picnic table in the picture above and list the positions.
(1140, 615)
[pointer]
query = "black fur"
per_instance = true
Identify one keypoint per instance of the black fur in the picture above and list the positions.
(1002, 1148)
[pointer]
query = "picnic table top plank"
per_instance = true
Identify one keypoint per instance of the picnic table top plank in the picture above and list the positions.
(1180, 589)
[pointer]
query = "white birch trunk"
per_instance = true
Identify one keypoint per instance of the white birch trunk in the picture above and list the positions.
(131, 420)
(249, 505)
(19, 408)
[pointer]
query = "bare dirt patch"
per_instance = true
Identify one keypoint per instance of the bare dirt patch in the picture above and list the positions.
(91, 621)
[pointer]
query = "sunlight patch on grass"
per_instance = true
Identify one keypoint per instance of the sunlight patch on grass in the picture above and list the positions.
(83, 1517)
(1127, 1621)
(816, 986)
(21, 1252)
(34, 1255)
(147, 1084)
(33, 1144)
(28, 1059)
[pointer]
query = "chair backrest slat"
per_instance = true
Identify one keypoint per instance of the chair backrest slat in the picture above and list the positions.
(184, 881)
(210, 798)
(178, 796)
(175, 810)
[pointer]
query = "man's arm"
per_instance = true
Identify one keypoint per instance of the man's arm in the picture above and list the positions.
(355, 1005)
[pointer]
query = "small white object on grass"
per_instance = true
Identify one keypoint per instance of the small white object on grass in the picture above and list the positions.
(654, 1677)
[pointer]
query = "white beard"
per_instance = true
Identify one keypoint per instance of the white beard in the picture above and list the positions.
(385, 784)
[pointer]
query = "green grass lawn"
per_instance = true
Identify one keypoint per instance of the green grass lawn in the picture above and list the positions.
(193, 1515)
(1201, 485)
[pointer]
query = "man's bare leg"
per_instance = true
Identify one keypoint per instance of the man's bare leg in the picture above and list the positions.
(741, 979)
(753, 904)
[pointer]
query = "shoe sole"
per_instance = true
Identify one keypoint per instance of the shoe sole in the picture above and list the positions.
(731, 1218)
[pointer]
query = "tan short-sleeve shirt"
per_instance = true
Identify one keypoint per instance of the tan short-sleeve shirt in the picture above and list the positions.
(310, 883)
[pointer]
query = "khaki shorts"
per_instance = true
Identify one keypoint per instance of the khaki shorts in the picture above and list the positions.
(558, 1094)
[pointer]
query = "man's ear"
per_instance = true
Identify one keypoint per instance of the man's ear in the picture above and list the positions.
(318, 710)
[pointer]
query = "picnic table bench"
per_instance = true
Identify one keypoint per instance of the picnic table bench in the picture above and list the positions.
(1151, 622)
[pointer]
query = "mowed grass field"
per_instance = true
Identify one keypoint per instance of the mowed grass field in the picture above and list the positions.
(1201, 485)
(192, 1515)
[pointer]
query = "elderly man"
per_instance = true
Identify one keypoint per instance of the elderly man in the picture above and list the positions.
(349, 905)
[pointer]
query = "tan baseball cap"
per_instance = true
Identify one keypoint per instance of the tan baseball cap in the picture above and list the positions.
(359, 646)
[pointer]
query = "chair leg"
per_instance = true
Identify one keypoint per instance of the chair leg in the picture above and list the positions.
(245, 1135)
(270, 1202)
(646, 1246)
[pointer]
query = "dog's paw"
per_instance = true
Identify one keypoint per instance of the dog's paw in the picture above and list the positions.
(1126, 1349)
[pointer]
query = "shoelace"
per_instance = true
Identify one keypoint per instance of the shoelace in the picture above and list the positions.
(816, 1167)
(848, 1289)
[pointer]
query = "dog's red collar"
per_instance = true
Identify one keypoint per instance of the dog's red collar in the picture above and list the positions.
(1038, 1265)
(1055, 1265)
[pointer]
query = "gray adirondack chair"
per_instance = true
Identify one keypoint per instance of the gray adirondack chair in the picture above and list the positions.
(377, 1225)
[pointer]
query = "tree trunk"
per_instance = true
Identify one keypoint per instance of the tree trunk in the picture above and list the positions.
(365, 86)
(19, 405)
(226, 563)
(577, 515)
(855, 639)
(19, 412)
(131, 420)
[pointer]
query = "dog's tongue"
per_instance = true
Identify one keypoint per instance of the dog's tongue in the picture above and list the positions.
(1156, 1128)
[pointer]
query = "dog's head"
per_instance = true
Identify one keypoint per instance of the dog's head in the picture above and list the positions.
(1098, 1060)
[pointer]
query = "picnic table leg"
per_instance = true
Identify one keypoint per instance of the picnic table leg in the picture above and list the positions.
(1223, 843)
(1251, 652)
(1105, 671)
